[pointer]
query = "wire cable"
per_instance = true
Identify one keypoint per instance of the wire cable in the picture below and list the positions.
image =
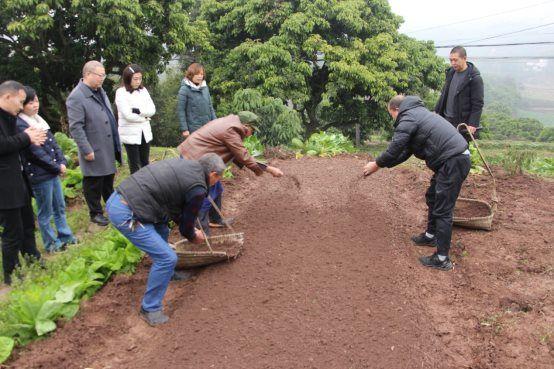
(495, 45)
(509, 33)
(479, 18)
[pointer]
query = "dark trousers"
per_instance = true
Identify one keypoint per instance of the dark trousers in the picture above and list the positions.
(214, 215)
(96, 188)
(205, 217)
(18, 236)
(441, 198)
(138, 155)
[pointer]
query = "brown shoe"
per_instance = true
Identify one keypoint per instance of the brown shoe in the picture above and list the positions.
(221, 223)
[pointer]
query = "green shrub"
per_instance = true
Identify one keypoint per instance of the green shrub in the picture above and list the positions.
(516, 161)
(165, 123)
(544, 166)
(547, 134)
(278, 123)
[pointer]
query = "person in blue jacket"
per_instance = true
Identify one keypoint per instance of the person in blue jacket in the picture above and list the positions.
(44, 165)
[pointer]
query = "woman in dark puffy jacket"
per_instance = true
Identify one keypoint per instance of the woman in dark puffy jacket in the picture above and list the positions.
(44, 165)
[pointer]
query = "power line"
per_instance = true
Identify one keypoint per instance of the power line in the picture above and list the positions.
(513, 57)
(533, 36)
(495, 45)
(510, 33)
(478, 18)
(510, 57)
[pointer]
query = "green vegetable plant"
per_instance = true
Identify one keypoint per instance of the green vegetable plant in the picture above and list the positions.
(324, 144)
(33, 307)
(72, 183)
(69, 148)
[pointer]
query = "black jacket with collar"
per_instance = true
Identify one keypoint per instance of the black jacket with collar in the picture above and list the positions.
(41, 163)
(469, 97)
(14, 189)
(422, 133)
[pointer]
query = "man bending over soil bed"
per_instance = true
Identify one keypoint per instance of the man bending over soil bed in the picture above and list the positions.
(429, 137)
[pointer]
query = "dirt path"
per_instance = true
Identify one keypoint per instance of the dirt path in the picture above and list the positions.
(328, 280)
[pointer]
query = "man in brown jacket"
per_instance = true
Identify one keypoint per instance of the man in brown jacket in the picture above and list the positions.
(224, 136)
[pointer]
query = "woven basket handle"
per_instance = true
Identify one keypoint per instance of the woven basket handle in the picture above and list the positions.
(494, 195)
(204, 233)
(212, 202)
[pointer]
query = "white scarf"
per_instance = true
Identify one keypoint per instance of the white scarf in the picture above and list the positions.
(193, 86)
(35, 121)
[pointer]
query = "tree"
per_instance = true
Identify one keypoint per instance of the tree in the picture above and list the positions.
(501, 126)
(336, 62)
(46, 43)
(165, 123)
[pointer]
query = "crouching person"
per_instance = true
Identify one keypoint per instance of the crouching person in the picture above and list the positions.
(141, 207)
(224, 136)
(430, 137)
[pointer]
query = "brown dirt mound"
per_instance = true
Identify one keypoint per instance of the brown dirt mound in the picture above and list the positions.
(329, 279)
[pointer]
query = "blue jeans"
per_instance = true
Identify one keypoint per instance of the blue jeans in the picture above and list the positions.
(50, 202)
(152, 239)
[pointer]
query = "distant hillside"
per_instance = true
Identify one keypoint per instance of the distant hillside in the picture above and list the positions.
(527, 88)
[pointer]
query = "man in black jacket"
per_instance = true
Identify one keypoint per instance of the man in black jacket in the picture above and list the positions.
(16, 212)
(428, 137)
(461, 99)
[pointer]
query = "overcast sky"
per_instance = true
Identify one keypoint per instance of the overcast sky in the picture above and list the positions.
(518, 15)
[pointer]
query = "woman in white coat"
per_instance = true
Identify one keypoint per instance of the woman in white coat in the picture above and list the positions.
(135, 108)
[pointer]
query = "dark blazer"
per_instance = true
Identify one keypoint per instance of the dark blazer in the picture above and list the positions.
(14, 192)
(89, 125)
(41, 163)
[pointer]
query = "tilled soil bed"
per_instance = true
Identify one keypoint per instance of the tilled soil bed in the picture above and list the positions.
(329, 279)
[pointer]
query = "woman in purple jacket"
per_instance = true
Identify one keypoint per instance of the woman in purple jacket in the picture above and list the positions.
(44, 165)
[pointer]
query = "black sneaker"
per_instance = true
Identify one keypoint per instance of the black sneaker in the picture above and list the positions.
(220, 223)
(73, 241)
(423, 240)
(434, 262)
(153, 317)
(100, 220)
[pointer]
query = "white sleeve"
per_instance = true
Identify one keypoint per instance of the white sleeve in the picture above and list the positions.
(149, 109)
(123, 103)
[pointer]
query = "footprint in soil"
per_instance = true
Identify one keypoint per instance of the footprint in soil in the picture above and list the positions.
(509, 304)
(295, 180)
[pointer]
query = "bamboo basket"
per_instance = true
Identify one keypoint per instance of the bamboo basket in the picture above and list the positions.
(482, 222)
(188, 259)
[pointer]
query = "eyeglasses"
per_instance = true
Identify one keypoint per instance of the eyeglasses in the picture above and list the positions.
(99, 75)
